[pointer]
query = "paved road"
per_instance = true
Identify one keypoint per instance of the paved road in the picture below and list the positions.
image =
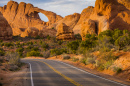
(55, 73)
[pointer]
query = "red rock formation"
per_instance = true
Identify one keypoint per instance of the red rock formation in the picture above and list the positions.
(26, 15)
(107, 14)
(5, 29)
(64, 33)
(31, 32)
(88, 27)
(85, 14)
(126, 3)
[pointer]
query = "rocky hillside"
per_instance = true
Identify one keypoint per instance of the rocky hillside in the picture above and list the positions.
(107, 14)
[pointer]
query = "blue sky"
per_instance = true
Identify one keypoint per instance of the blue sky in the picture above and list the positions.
(61, 7)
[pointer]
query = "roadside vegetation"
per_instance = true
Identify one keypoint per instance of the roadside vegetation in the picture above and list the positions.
(97, 50)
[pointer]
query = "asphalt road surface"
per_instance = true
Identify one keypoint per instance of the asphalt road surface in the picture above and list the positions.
(55, 73)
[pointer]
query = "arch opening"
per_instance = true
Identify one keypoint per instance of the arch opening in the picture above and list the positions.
(43, 17)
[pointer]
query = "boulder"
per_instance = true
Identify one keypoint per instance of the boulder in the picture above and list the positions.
(64, 33)
(31, 32)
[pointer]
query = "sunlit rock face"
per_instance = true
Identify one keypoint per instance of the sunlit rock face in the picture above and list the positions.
(21, 16)
(64, 33)
(5, 29)
(107, 14)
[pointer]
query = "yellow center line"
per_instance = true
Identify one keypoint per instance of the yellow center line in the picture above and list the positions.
(67, 78)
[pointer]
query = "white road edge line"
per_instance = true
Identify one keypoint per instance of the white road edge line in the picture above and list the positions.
(31, 75)
(91, 73)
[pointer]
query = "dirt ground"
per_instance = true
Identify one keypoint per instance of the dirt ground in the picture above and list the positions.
(10, 78)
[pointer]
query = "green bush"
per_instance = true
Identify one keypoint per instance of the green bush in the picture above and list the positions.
(29, 47)
(117, 33)
(52, 28)
(48, 37)
(122, 41)
(60, 42)
(90, 42)
(108, 64)
(78, 36)
(8, 44)
(38, 37)
(30, 43)
(20, 50)
(45, 46)
(34, 53)
(117, 69)
(83, 60)
(90, 61)
(73, 46)
(35, 49)
(58, 51)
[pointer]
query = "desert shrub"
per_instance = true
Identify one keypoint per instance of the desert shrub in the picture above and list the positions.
(122, 41)
(64, 57)
(73, 46)
(38, 37)
(101, 67)
(52, 28)
(117, 69)
(14, 58)
(105, 44)
(45, 46)
(108, 64)
(2, 52)
(58, 51)
(20, 51)
(30, 43)
(48, 37)
(78, 36)
(34, 53)
(117, 33)
(90, 61)
(35, 49)
(18, 43)
(74, 59)
(109, 56)
(8, 44)
(126, 48)
(60, 42)
(83, 60)
(90, 41)
(29, 47)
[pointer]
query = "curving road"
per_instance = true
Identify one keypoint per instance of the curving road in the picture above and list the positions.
(55, 73)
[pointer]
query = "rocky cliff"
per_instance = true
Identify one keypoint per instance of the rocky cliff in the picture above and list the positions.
(5, 29)
(107, 14)
(21, 16)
